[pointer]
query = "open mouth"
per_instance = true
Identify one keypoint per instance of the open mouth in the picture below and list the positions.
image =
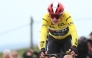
(55, 21)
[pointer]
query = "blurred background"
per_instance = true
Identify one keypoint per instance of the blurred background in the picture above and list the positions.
(16, 15)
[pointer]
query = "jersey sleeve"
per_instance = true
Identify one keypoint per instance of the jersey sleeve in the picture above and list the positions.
(43, 32)
(72, 30)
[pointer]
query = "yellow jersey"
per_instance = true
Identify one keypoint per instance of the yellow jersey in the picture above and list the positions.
(64, 28)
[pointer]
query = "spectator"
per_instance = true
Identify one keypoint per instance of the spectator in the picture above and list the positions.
(82, 47)
(14, 54)
(91, 35)
(29, 54)
(90, 46)
(6, 54)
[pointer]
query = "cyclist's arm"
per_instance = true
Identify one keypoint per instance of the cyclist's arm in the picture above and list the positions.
(73, 31)
(43, 33)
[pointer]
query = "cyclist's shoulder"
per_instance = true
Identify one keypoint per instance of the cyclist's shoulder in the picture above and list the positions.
(65, 13)
(46, 15)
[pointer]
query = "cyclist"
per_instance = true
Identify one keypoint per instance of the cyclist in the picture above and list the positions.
(62, 31)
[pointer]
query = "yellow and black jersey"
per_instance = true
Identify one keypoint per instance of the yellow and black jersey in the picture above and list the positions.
(59, 31)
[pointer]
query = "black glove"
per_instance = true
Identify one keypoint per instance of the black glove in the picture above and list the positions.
(74, 49)
(42, 50)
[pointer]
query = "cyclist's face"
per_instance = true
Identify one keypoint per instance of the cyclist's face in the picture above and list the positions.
(55, 18)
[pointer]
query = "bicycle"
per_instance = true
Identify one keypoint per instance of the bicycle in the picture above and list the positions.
(59, 55)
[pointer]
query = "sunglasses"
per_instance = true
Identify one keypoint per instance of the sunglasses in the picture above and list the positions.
(57, 16)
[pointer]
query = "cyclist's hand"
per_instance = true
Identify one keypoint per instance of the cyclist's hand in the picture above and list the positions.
(74, 51)
(42, 53)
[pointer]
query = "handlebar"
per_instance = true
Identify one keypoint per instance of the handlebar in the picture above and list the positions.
(57, 54)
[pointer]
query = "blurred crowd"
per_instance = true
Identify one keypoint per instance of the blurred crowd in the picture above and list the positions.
(85, 47)
(14, 54)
